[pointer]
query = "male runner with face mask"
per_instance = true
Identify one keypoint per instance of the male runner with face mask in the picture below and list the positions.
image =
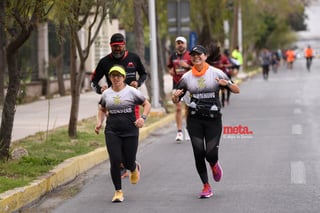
(120, 56)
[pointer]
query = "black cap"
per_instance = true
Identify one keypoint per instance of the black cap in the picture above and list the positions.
(198, 49)
(117, 39)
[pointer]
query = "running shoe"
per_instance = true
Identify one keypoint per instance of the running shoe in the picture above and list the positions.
(217, 171)
(206, 191)
(135, 175)
(124, 173)
(179, 136)
(118, 196)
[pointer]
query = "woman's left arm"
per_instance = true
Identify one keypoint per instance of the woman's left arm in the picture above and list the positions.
(146, 110)
(232, 86)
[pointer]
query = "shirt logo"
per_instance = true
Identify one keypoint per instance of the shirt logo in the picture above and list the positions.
(201, 83)
(117, 100)
(130, 64)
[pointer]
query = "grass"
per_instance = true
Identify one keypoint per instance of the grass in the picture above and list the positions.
(46, 153)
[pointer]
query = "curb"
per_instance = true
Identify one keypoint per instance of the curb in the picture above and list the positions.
(65, 172)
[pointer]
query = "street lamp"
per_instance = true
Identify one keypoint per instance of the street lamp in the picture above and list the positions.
(153, 56)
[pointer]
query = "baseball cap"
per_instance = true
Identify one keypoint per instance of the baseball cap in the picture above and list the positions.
(119, 69)
(181, 38)
(198, 49)
(116, 39)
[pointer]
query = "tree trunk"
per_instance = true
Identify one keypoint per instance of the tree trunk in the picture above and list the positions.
(59, 69)
(138, 29)
(2, 54)
(139, 38)
(60, 64)
(82, 51)
(161, 70)
(43, 56)
(9, 107)
(9, 104)
(72, 130)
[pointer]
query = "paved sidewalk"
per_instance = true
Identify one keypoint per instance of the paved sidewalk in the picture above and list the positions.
(49, 114)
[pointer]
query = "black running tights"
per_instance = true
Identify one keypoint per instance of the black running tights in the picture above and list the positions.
(121, 150)
(205, 138)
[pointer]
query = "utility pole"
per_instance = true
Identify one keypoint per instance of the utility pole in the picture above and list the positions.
(226, 34)
(153, 56)
(240, 33)
(234, 41)
(240, 29)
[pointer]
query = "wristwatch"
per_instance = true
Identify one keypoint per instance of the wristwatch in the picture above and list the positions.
(229, 83)
(144, 117)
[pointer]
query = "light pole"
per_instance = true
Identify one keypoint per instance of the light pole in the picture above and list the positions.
(240, 29)
(153, 56)
(240, 33)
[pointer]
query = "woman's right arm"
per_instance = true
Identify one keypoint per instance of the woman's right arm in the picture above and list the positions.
(176, 96)
(100, 118)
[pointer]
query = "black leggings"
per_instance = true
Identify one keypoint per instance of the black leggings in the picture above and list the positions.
(121, 150)
(205, 138)
(223, 95)
(265, 71)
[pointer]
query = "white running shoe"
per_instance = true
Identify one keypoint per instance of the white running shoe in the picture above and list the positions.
(179, 136)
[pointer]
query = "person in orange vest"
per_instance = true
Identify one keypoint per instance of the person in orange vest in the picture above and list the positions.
(308, 54)
(290, 56)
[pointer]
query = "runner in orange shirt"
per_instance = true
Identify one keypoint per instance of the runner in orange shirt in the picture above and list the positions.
(291, 56)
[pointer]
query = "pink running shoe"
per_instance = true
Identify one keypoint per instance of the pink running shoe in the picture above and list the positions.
(206, 191)
(217, 171)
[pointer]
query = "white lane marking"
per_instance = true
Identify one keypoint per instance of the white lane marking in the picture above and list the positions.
(298, 172)
(297, 111)
(296, 129)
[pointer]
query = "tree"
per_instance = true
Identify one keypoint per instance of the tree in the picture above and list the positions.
(88, 16)
(2, 54)
(209, 22)
(22, 18)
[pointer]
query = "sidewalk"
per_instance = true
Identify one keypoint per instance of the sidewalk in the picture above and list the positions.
(49, 114)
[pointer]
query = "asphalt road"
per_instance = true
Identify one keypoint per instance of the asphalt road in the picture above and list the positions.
(276, 168)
